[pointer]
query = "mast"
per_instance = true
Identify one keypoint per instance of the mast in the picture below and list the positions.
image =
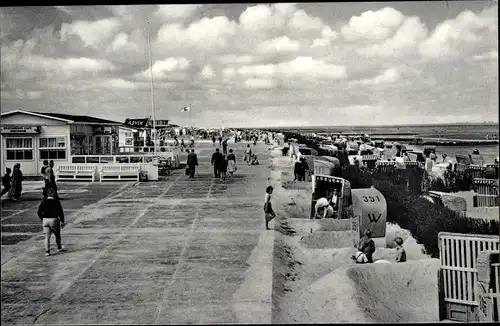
(152, 94)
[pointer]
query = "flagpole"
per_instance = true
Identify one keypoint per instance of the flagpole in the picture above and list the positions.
(152, 93)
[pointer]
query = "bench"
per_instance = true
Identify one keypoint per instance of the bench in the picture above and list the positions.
(75, 172)
(119, 172)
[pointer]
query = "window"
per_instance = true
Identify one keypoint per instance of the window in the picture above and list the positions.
(19, 149)
(53, 148)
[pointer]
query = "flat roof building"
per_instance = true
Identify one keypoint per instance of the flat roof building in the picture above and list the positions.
(30, 137)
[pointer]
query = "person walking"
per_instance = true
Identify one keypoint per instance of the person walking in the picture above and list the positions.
(217, 161)
(6, 181)
(224, 147)
(220, 140)
(268, 207)
(192, 162)
(366, 245)
(42, 171)
(213, 139)
(231, 163)
(223, 168)
(51, 213)
(248, 155)
(17, 183)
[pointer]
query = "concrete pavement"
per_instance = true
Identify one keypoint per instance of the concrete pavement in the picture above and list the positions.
(177, 251)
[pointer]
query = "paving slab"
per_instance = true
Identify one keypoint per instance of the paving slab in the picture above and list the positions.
(175, 251)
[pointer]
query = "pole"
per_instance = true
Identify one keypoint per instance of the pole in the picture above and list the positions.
(152, 94)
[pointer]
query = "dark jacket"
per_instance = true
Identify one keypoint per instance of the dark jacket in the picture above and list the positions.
(217, 159)
(51, 208)
(6, 180)
(192, 160)
(231, 157)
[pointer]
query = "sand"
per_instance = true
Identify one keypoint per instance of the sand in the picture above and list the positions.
(315, 280)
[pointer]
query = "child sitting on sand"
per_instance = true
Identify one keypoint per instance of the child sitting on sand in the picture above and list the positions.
(400, 251)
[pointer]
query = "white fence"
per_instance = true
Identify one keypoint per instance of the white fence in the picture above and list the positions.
(127, 159)
(119, 172)
(458, 255)
(76, 172)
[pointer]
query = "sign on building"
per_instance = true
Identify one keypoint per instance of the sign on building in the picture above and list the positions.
(21, 130)
(137, 123)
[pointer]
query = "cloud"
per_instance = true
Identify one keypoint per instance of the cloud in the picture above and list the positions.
(492, 55)
(260, 83)
(301, 67)
(176, 12)
(205, 34)
(372, 25)
(119, 83)
(302, 22)
(67, 66)
(163, 69)
(255, 63)
(454, 36)
(208, 72)
(236, 59)
(122, 43)
(92, 33)
(411, 32)
(280, 44)
(388, 76)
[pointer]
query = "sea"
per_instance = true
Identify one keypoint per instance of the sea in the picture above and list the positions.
(471, 131)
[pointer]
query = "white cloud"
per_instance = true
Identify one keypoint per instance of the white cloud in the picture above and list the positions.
(205, 34)
(492, 55)
(452, 36)
(68, 66)
(328, 33)
(122, 43)
(372, 25)
(388, 76)
(236, 59)
(260, 83)
(92, 33)
(302, 22)
(162, 69)
(120, 83)
(319, 43)
(176, 12)
(307, 66)
(208, 72)
(262, 17)
(33, 95)
(281, 44)
(411, 32)
(299, 67)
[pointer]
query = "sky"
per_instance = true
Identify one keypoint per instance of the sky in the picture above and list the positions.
(256, 65)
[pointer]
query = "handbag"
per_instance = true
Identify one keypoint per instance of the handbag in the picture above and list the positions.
(187, 171)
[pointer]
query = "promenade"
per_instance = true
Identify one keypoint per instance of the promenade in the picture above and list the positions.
(176, 251)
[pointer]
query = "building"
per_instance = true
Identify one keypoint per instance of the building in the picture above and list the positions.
(29, 138)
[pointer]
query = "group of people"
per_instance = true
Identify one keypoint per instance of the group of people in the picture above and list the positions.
(12, 182)
(366, 248)
(250, 157)
(223, 163)
(50, 210)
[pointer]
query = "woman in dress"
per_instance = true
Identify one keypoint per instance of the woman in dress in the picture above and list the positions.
(17, 183)
(231, 163)
(268, 208)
